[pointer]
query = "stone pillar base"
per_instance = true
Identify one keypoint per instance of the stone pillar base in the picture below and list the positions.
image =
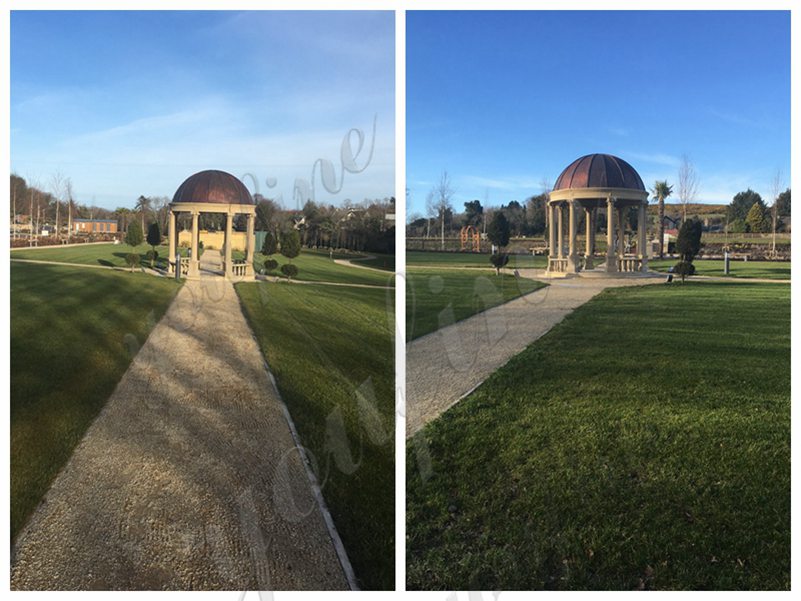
(572, 264)
(194, 270)
(644, 265)
(611, 264)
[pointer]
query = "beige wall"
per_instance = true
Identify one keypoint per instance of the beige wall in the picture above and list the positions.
(214, 239)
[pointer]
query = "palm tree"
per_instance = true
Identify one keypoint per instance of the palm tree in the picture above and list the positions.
(121, 213)
(142, 205)
(660, 192)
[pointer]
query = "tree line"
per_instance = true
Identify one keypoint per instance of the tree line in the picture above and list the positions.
(366, 226)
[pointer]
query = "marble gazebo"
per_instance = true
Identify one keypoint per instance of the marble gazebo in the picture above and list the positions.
(591, 184)
(213, 192)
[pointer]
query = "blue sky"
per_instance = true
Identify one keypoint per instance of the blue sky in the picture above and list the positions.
(130, 103)
(503, 100)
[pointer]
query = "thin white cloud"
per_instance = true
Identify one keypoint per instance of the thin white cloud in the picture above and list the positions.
(653, 158)
(503, 183)
(618, 131)
(735, 118)
(307, 79)
(153, 125)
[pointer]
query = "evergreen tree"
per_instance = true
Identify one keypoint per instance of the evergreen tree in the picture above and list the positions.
(755, 220)
(154, 235)
(134, 235)
(290, 244)
(270, 244)
(688, 245)
(498, 230)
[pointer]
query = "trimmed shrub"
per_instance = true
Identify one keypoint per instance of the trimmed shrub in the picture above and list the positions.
(290, 244)
(154, 235)
(684, 269)
(289, 270)
(132, 260)
(151, 256)
(499, 260)
(270, 265)
(270, 244)
(134, 236)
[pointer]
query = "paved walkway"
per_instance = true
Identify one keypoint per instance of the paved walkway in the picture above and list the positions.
(355, 263)
(444, 366)
(189, 478)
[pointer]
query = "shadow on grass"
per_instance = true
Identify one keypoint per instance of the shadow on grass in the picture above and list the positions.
(69, 347)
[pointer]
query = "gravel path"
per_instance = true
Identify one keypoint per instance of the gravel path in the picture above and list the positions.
(189, 478)
(444, 366)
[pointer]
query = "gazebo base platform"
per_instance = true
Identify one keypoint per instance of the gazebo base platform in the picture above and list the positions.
(557, 274)
(234, 279)
(601, 273)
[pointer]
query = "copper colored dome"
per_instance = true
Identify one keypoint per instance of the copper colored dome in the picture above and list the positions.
(599, 171)
(213, 186)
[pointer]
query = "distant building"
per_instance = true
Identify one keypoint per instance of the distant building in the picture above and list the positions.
(94, 226)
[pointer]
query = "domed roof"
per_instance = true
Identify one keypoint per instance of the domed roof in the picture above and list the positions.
(599, 171)
(213, 186)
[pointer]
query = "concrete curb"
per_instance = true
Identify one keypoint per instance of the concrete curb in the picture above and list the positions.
(339, 547)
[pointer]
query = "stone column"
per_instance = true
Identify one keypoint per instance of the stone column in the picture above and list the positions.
(551, 232)
(621, 243)
(572, 256)
(611, 262)
(251, 243)
(588, 243)
(172, 260)
(560, 249)
(229, 270)
(194, 259)
(642, 241)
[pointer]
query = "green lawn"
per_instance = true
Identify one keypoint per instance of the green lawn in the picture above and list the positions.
(437, 298)
(91, 254)
(319, 267)
(642, 443)
(73, 334)
(779, 270)
(379, 261)
(445, 259)
(331, 350)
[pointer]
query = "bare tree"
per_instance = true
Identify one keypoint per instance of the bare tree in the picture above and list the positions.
(57, 188)
(68, 193)
(34, 188)
(14, 186)
(160, 207)
(688, 184)
(545, 185)
(440, 197)
(776, 184)
(431, 211)
(30, 220)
